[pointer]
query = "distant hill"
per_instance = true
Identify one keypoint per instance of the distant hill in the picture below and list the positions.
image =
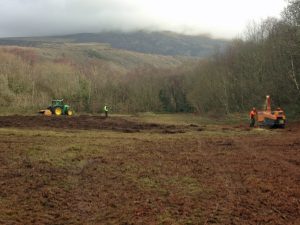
(118, 58)
(119, 61)
(161, 43)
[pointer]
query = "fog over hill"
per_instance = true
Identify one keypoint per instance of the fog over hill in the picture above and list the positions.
(222, 19)
(162, 43)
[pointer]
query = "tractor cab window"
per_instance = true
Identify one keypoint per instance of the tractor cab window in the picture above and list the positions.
(57, 102)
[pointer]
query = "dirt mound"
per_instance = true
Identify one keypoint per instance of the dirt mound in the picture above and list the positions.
(121, 124)
(84, 122)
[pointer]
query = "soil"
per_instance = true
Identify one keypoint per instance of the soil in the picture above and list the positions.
(86, 123)
(233, 177)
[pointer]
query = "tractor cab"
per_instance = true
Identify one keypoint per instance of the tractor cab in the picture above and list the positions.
(57, 102)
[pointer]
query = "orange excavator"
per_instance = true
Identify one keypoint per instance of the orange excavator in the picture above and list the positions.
(269, 118)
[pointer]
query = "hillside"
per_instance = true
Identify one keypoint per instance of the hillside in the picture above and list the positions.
(125, 60)
(80, 53)
(162, 43)
(86, 74)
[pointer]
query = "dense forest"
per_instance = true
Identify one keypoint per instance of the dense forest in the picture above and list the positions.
(265, 60)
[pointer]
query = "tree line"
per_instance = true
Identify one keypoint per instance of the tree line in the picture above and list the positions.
(265, 60)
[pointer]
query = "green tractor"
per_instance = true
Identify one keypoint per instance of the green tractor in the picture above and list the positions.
(58, 108)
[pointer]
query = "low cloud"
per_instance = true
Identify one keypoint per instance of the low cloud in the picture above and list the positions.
(55, 17)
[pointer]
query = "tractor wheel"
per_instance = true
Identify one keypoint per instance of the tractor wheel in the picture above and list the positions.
(58, 111)
(70, 112)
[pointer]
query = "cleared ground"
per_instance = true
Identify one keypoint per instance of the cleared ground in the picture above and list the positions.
(121, 170)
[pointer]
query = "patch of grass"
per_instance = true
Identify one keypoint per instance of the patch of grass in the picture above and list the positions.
(165, 218)
(148, 183)
(191, 118)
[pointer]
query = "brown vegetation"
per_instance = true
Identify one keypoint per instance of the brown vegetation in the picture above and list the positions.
(217, 175)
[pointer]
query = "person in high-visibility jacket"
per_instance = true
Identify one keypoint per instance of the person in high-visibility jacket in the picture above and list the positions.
(105, 109)
(252, 115)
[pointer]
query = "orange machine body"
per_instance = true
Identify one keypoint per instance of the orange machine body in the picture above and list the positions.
(276, 118)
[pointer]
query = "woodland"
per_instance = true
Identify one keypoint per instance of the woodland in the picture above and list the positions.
(265, 60)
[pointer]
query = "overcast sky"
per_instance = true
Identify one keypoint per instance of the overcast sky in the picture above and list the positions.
(220, 18)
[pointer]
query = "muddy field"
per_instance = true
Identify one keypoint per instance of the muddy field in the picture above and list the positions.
(91, 170)
(88, 123)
